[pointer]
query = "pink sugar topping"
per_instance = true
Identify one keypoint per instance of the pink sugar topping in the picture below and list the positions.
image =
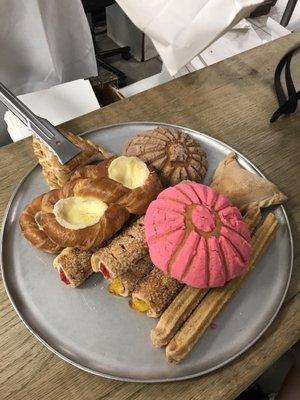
(197, 236)
(203, 218)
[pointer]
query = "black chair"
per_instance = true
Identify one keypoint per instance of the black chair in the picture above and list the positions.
(95, 10)
(288, 12)
(265, 8)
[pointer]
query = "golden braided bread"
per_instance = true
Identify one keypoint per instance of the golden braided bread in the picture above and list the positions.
(46, 232)
(111, 222)
(136, 200)
(32, 230)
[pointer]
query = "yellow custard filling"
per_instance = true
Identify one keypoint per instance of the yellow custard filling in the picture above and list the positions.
(116, 287)
(79, 212)
(130, 171)
(139, 305)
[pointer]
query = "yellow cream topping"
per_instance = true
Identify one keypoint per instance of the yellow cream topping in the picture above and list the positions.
(130, 171)
(79, 212)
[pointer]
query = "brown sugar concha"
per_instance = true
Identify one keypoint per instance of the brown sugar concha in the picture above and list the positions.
(174, 154)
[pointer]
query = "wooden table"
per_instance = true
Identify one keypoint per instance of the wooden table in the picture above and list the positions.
(232, 101)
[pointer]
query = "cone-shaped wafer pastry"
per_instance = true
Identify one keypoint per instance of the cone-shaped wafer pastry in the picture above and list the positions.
(185, 339)
(154, 293)
(57, 174)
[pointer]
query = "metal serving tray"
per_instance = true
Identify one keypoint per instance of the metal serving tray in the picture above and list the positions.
(98, 332)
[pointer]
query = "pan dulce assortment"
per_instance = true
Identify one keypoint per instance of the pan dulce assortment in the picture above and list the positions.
(177, 249)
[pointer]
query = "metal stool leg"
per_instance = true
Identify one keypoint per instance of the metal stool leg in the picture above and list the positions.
(288, 12)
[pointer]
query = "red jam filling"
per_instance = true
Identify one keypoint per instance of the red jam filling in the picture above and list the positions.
(63, 277)
(104, 271)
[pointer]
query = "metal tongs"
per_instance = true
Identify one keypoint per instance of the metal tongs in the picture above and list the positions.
(41, 127)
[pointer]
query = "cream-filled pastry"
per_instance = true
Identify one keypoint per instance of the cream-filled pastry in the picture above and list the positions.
(90, 208)
(77, 215)
(79, 212)
(138, 183)
(131, 172)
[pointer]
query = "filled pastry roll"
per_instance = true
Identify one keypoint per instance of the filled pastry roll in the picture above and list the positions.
(73, 265)
(154, 293)
(126, 280)
(124, 261)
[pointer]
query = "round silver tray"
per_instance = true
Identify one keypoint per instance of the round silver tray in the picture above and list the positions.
(98, 332)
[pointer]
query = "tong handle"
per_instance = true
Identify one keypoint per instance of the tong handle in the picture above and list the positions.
(49, 135)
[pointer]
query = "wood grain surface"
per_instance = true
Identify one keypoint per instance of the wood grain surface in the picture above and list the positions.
(232, 101)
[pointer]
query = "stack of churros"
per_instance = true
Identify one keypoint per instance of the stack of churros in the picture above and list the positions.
(190, 314)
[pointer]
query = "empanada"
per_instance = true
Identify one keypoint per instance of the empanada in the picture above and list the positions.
(244, 188)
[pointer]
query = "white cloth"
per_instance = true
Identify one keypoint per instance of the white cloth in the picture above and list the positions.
(244, 36)
(44, 43)
(57, 104)
(182, 29)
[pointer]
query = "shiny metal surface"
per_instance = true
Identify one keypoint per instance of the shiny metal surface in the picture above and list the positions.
(98, 332)
(41, 127)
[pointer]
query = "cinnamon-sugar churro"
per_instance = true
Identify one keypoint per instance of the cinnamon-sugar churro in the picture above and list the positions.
(204, 314)
(176, 314)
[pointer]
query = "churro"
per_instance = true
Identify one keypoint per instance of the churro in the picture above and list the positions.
(252, 218)
(176, 314)
(192, 330)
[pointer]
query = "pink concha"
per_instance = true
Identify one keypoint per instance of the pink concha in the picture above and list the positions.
(197, 236)
(162, 248)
